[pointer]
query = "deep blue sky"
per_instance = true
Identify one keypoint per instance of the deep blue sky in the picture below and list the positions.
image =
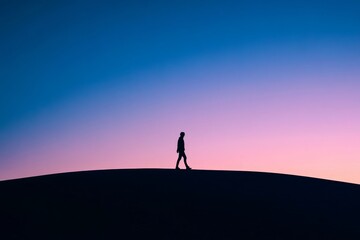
(51, 50)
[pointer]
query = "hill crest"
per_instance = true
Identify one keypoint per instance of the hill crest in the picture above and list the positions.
(170, 204)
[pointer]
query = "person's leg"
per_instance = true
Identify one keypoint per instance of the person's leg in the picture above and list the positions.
(178, 161)
(187, 166)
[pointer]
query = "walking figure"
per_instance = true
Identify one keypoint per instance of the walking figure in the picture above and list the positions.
(181, 151)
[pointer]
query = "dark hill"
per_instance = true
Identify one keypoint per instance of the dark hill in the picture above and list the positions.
(169, 204)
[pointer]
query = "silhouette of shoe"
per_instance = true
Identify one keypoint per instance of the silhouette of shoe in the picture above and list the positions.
(177, 168)
(188, 168)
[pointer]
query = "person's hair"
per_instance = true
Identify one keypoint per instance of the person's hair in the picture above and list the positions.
(182, 134)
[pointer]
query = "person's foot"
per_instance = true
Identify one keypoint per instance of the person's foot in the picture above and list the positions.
(177, 168)
(188, 168)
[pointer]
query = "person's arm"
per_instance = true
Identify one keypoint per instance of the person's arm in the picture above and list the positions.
(177, 150)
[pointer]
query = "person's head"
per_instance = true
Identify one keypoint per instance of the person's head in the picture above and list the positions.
(182, 134)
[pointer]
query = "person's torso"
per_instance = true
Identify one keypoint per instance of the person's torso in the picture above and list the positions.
(181, 144)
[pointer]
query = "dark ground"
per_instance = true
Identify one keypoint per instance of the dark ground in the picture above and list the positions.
(169, 204)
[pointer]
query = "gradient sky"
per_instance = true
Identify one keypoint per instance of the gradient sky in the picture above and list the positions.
(256, 85)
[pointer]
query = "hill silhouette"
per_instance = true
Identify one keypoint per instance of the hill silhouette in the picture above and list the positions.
(169, 204)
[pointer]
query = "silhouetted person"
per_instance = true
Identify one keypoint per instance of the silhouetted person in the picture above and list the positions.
(181, 151)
